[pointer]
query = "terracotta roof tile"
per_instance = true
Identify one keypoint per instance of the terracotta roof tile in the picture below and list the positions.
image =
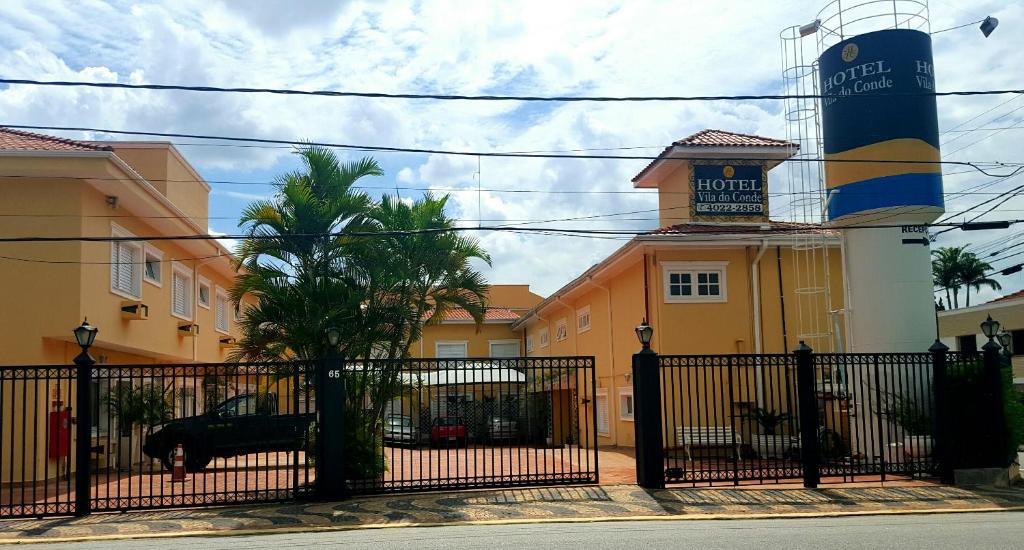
(717, 138)
(17, 140)
(492, 314)
(1014, 296)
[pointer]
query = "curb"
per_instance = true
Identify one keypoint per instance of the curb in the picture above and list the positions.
(525, 521)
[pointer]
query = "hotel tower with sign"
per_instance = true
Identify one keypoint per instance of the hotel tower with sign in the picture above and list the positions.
(716, 277)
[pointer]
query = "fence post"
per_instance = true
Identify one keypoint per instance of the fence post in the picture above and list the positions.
(650, 463)
(806, 389)
(330, 404)
(83, 433)
(996, 452)
(940, 428)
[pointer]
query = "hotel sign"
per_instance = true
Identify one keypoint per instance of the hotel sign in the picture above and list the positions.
(728, 190)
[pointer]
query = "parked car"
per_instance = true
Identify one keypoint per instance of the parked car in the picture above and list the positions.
(243, 424)
(500, 428)
(398, 430)
(448, 430)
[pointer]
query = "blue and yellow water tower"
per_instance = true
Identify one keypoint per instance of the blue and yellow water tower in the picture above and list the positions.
(881, 149)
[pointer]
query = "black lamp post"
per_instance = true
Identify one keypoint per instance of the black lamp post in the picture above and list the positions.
(990, 328)
(644, 333)
(1005, 340)
(85, 335)
(330, 404)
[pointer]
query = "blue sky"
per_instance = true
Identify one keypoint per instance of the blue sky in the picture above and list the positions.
(540, 48)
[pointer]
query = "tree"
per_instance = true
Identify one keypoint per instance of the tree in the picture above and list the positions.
(973, 274)
(946, 262)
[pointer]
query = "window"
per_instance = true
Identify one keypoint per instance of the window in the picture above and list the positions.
(504, 348)
(204, 293)
(967, 344)
(237, 312)
(560, 332)
(153, 272)
(450, 350)
(126, 262)
(221, 311)
(545, 337)
(687, 282)
(529, 344)
(601, 407)
(583, 319)
(626, 403)
(181, 292)
(1018, 341)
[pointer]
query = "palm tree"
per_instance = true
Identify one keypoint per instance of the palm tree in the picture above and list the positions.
(946, 268)
(973, 274)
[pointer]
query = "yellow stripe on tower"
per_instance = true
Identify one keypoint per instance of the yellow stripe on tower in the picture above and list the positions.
(838, 174)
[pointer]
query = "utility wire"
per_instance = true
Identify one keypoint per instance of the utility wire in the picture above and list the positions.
(450, 97)
(372, 148)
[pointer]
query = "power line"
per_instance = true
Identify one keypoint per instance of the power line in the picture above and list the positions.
(450, 97)
(374, 148)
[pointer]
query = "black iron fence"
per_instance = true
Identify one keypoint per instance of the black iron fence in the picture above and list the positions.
(241, 431)
(427, 424)
(254, 432)
(768, 418)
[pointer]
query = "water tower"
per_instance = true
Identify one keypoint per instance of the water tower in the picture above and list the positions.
(877, 129)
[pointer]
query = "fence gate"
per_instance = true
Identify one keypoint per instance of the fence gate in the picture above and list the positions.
(739, 418)
(243, 430)
(429, 424)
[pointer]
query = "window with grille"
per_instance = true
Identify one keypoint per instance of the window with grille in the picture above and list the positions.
(583, 319)
(560, 331)
(222, 311)
(626, 403)
(181, 292)
(686, 282)
(126, 263)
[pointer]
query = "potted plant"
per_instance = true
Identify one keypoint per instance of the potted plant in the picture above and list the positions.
(132, 406)
(770, 444)
(915, 424)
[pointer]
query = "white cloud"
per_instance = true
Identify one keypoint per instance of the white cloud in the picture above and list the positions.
(529, 47)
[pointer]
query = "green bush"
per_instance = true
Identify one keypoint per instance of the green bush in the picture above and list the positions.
(969, 412)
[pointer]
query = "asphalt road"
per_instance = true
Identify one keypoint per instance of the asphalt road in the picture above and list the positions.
(976, 531)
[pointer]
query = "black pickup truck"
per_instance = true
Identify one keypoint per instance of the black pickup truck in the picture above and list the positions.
(243, 424)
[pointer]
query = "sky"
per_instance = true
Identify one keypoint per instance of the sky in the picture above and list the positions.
(504, 48)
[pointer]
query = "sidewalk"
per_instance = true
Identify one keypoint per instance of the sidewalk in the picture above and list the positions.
(559, 504)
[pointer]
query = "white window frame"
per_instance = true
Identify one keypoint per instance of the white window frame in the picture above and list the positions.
(439, 343)
(626, 392)
(140, 267)
(158, 254)
(583, 314)
(602, 393)
(491, 343)
(529, 343)
(182, 269)
(203, 281)
(545, 337)
(694, 269)
(218, 294)
(561, 330)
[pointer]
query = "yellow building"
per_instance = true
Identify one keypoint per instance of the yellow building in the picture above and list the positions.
(458, 335)
(712, 280)
(155, 301)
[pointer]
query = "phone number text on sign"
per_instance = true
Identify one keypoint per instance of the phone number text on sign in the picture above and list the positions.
(730, 208)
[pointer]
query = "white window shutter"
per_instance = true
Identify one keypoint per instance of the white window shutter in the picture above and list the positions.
(222, 313)
(602, 414)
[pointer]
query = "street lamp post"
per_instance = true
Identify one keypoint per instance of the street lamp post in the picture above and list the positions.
(993, 393)
(85, 335)
(650, 466)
